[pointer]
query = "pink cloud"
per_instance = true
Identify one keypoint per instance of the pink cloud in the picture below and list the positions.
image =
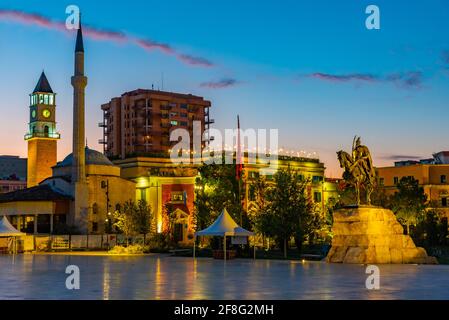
(409, 79)
(221, 84)
(105, 35)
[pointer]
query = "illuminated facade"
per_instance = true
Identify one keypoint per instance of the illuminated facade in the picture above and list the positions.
(139, 122)
(159, 181)
(320, 191)
(432, 175)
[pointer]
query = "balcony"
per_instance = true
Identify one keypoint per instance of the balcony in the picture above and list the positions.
(29, 136)
(166, 108)
(102, 141)
(102, 125)
(210, 121)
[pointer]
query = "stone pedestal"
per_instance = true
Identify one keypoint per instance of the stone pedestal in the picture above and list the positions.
(372, 235)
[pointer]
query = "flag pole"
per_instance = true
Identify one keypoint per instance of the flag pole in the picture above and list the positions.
(239, 167)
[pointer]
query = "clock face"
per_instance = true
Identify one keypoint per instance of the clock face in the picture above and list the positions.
(46, 113)
(33, 114)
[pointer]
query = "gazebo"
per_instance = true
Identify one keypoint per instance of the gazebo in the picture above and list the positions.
(8, 231)
(224, 227)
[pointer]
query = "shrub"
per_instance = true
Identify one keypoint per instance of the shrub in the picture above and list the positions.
(132, 249)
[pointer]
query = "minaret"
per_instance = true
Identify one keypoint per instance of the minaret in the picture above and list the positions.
(79, 83)
(79, 181)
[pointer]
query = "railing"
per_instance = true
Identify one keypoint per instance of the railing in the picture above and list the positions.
(42, 135)
(102, 141)
(102, 125)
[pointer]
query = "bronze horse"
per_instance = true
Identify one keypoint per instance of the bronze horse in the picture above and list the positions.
(355, 175)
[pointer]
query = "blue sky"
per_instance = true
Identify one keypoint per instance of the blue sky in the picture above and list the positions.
(310, 69)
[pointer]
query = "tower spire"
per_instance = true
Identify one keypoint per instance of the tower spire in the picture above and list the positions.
(79, 37)
(43, 85)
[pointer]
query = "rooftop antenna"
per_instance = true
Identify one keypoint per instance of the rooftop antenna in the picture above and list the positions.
(162, 80)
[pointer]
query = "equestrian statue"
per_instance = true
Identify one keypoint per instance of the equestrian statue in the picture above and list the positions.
(359, 170)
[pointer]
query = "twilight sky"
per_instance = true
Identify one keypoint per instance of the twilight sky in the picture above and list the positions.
(310, 69)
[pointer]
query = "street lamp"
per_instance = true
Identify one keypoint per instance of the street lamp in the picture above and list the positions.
(105, 185)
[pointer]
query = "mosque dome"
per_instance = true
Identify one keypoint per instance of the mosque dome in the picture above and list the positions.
(93, 157)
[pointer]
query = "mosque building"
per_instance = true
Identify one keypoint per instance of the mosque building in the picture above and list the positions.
(79, 191)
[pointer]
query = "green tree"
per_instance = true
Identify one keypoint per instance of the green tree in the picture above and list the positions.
(169, 209)
(409, 202)
(289, 212)
(258, 200)
(133, 218)
(124, 219)
(143, 217)
(217, 188)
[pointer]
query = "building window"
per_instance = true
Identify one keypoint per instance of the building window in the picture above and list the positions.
(444, 202)
(395, 180)
(317, 196)
(382, 182)
(183, 106)
(316, 179)
(94, 226)
(174, 123)
(95, 208)
(443, 178)
(177, 196)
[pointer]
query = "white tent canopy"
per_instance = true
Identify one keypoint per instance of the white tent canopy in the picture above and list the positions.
(7, 230)
(225, 226)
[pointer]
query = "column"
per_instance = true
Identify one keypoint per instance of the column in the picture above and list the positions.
(51, 223)
(35, 224)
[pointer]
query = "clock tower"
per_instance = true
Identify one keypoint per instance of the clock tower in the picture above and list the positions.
(42, 136)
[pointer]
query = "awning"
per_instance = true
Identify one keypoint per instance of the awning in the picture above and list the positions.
(7, 230)
(225, 226)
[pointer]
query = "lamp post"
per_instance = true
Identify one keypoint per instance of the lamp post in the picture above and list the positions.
(105, 185)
